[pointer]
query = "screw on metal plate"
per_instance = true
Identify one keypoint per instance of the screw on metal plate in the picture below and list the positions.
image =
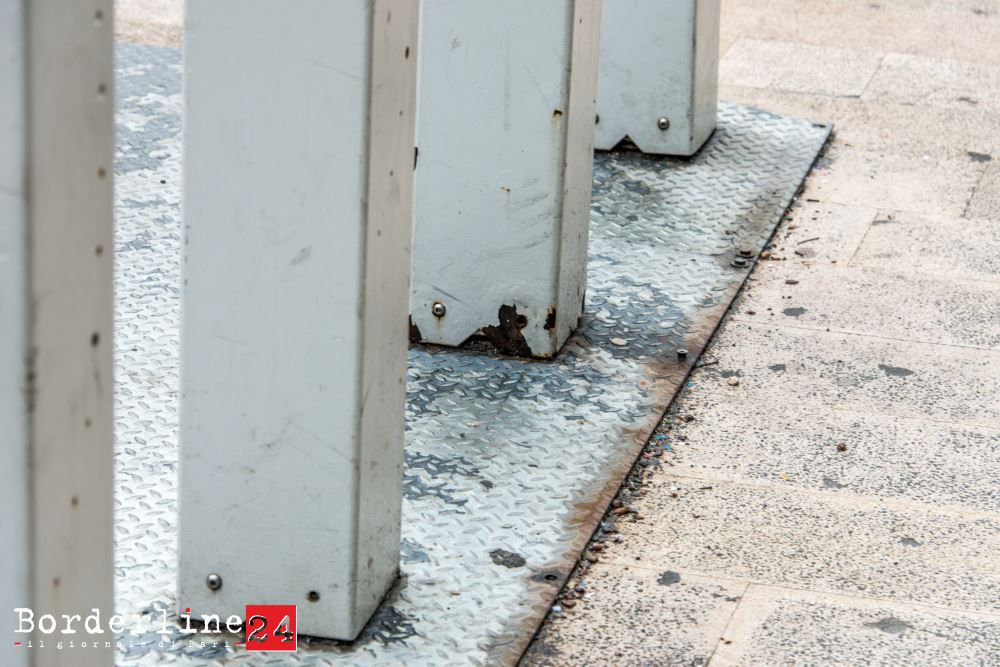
(663, 123)
(746, 252)
(438, 309)
(213, 581)
(739, 262)
(682, 353)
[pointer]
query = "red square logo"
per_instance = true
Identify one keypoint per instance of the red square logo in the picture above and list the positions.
(271, 627)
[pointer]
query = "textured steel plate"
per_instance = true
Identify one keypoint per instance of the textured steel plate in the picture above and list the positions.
(510, 464)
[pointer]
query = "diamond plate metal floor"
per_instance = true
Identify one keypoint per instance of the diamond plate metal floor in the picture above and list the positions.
(510, 464)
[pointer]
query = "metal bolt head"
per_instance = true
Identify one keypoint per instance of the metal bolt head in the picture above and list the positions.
(682, 353)
(746, 252)
(213, 581)
(739, 262)
(438, 309)
(663, 123)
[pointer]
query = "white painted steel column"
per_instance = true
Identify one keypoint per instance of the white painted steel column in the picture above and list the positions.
(56, 390)
(659, 74)
(503, 176)
(298, 163)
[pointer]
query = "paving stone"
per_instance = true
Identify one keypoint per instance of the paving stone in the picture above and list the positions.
(857, 373)
(888, 27)
(797, 67)
(884, 126)
(962, 7)
(805, 445)
(832, 231)
(154, 22)
(939, 82)
(775, 626)
(942, 7)
(873, 301)
(860, 177)
(738, 18)
(930, 245)
(985, 202)
(821, 541)
(638, 616)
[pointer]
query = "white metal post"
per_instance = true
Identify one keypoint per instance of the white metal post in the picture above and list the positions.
(503, 174)
(56, 152)
(298, 149)
(658, 81)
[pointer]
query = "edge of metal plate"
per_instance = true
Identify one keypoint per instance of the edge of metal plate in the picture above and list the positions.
(510, 463)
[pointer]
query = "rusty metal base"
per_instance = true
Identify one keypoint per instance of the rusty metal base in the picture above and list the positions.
(510, 464)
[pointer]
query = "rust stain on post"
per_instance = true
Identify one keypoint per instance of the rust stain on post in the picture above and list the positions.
(415, 336)
(506, 336)
(550, 320)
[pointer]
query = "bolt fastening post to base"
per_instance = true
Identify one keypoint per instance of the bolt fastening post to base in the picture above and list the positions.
(503, 177)
(298, 149)
(658, 75)
(56, 311)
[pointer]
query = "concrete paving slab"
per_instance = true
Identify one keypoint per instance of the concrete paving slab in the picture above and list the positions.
(779, 626)
(832, 231)
(154, 22)
(888, 27)
(870, 301)
(822, 541)
(985, 202)
(860, 177)
(807, 446)
(988, 7)
(738, 18)
(638, 616)
(884, 126)
(977, 7)
(931, 245)
(798, 67)
(857, 373)
(937, 82)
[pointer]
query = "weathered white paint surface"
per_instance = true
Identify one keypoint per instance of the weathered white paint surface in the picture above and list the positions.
(298, 143)
(505, 134)
(659, 59)
(56, 118)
